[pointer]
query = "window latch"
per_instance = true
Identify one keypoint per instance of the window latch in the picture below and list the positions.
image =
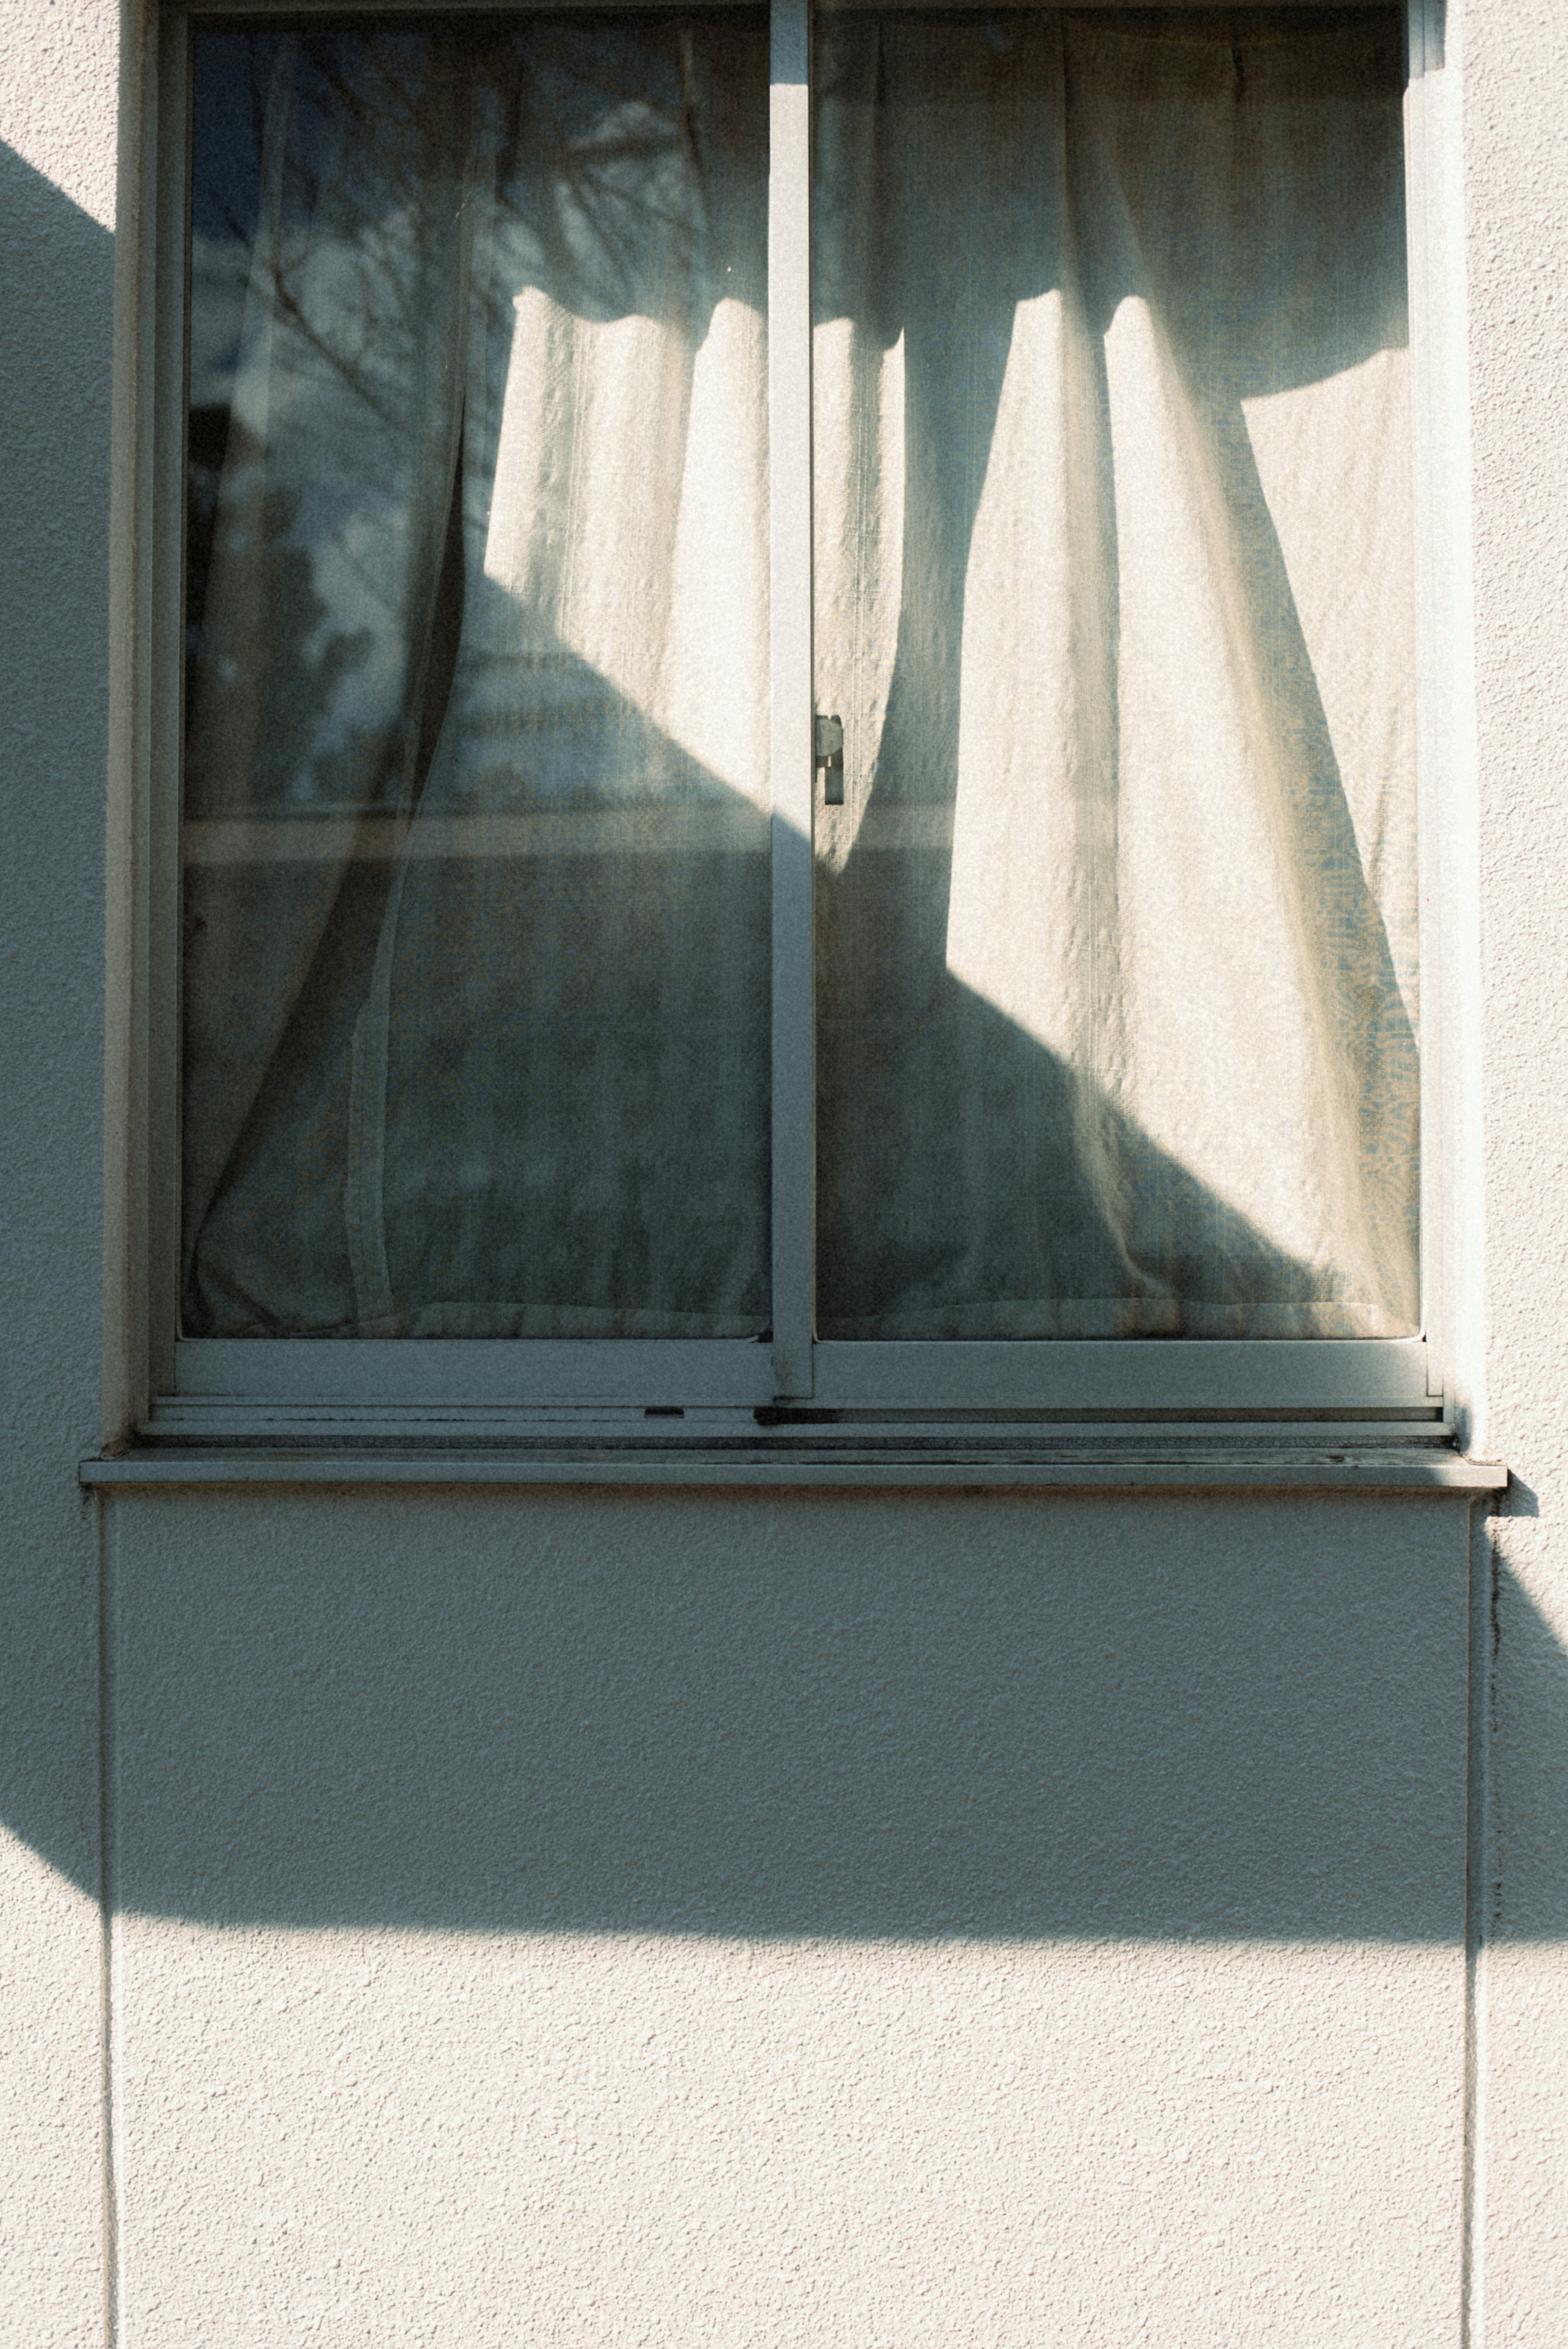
(829, 740)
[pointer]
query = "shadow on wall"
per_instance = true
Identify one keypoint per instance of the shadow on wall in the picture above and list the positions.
(847, 1716)
(987, 1715)
(55, 308)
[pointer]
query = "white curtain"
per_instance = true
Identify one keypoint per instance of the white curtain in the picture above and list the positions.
(1116, 927)
(1116, 923)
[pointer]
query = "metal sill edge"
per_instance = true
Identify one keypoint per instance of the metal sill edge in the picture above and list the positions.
(1146, 1466)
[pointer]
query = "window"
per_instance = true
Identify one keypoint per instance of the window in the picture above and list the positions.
(798, 712)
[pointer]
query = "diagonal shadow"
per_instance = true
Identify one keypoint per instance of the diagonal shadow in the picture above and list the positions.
(930, 246)
(874, 928)
(855, 1717)
(850, 1716)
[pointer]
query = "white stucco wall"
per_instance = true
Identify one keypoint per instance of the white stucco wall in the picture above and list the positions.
(1516, 73)
(716, 1918)
(767, 1919)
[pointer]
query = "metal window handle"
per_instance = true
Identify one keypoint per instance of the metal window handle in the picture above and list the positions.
(830, 747)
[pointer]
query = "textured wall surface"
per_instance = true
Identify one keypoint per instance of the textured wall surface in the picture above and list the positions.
(58, 67)
(759, 1920)
(1515, 65)
(957, 1918)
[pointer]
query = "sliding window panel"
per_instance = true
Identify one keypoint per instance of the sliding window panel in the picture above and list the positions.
(476, 856)
(1116, 922)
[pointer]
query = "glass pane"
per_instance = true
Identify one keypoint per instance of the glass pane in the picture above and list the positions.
(475, 818)
(1116, 941)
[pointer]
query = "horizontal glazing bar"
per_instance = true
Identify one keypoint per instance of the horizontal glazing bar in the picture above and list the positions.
(1128, 1373)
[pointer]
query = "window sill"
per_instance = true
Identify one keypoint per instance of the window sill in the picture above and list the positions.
(1116, 1459)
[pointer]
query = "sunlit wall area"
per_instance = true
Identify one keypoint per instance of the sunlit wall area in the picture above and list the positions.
(1511, 62)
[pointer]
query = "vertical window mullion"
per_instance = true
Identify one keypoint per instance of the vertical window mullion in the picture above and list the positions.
(793, 775)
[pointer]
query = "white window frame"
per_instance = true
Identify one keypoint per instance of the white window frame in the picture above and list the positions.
(235, 1389)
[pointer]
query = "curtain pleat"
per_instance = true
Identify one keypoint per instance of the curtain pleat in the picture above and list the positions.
(1116, 927)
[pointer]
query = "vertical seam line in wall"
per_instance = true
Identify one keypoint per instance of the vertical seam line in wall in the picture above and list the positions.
(107, 1530)
(1478, 1906)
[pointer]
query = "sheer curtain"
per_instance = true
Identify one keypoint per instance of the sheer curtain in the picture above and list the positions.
(476, 872)
(1116, 927)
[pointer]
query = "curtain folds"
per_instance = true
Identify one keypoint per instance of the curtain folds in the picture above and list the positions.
(1115, 928)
